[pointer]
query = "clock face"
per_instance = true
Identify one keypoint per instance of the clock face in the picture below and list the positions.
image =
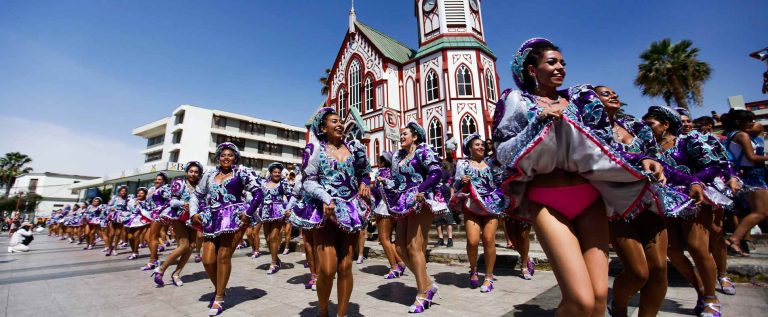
(474, 5)
(429, 5)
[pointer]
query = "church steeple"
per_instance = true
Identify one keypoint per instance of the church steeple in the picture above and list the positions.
(352, 18)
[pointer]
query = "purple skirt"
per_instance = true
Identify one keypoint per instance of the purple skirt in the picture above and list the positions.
(351, 215)
(272, 212)
(406, 204)
(225, 219)
(136, 221)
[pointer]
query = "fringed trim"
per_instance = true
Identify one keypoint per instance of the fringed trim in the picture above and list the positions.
(218, 233)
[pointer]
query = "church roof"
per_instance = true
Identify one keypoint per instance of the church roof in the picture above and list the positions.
(454, 42)
(388, 46)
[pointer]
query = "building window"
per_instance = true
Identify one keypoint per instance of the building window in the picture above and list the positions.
(298, 152)
(252, 128)
(376, 149)
(368, 94)
(155, 140)
(174, 156)
(342, 104)
(75, 192)
(239, 142)
(288, 135)
(354, 85)
(180, 117)
(211, 158)
(490, 84)
(379, 96)
(253, 163)
(410, 94)
(219, 122)
(271, 149)
(435, 135)
(154, 156)
(464, 81)
(468, 126)
(32, 187)
(177, 137)
(433, 86)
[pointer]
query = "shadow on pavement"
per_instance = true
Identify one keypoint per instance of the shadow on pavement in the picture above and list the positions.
(236, 295)
(311, 311)
(300, 279)
(460, 280)
(380, 270)
(395, 292)
(194, 277)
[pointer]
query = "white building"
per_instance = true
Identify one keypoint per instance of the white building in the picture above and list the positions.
(56, 190)
(448, 85)
(192, 133)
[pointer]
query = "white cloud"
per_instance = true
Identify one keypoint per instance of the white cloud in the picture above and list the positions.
(64, 149)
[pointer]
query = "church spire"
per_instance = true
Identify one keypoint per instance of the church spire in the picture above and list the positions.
(352, 18)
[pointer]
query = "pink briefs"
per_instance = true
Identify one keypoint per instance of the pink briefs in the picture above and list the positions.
(570, 201)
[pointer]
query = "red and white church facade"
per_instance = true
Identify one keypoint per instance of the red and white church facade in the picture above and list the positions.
(448, 85)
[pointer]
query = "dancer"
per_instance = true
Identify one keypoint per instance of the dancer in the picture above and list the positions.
(272, 212)
(298, 207)
(691, 155)
(416, 173)
(158, 197)
(177, 215)
(519, 234)
(223, 190)
(557, 150)
(93, 218)
(118, 207)
(75, 223)
(478, 196)
(336, 177)
(137, 220)
(384, 221)
(252, 235)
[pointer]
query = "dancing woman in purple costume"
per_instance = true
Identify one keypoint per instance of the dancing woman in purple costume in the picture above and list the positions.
(93, 218)
(177, 214)
(272, 212)
(117, 208)
(220, 207)
(556, 147)
(384, 220)
(299, 205)
(137, 222)
(478, 196)
(336, 179)
(158, 198)
(411, 196)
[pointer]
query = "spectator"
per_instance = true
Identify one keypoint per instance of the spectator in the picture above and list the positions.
(704, 124)
(21, 238)
(489, 148)
(451, 144)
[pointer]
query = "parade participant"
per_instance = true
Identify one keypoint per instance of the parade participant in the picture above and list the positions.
(562, 169)
(137, 221)
(478, 196)
(62, 222)
(416, 173)
(75, 223)
(748, 154)
(336, 176)
(158, 198)
(272, 212)
(117, 207)
(299, 206)
(252, 235)
(384, 221)
(177, 215)
(222, 191)
(640, 240)
(519, 234)
(691, 155)
(93, 219)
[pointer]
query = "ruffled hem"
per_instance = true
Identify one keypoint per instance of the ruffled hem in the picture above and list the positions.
(406, 204)
(218, 233)
(382, 210)
(137, 221)
(223, 220)
(491, 205)
(351, 215)
(272, 212)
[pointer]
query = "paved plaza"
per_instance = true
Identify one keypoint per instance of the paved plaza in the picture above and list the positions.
(60, 279)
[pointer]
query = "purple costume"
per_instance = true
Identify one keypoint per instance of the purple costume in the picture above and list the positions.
(118, 209)
(159, 199)
(482, 196)
(139, 212)
(274, 205)
(419, 173)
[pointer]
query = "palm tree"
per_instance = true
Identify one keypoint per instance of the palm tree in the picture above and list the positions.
(13, 165)
(674, 72)
(324, 82)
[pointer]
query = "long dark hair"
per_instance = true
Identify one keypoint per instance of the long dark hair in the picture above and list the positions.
(537, 51)
(736, 118)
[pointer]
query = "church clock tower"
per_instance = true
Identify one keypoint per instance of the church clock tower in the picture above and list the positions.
(445, 18)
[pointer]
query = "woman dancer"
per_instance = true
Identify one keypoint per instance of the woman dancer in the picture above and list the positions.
(137, 221)
(177, 215)
(118, 206)
(556, 147)
(691, 155)
(298, 206)
(222, 190)
(416, 173)
(336, 176)
(641, 239)
(75, 223)
(477, 195)
(62, 222)
(158, 197)
(384, 221)
(272, 212)
(519, 234)
(93, 218)
(252, 235)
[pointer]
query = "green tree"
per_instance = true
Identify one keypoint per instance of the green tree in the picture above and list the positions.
(324, 82)
(13, 165)
(673, 72)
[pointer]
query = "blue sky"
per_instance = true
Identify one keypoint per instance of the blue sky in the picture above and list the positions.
(98, 69)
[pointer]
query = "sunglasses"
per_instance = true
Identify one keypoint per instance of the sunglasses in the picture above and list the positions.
(608, 93)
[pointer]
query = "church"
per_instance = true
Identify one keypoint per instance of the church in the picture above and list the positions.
(449, 84)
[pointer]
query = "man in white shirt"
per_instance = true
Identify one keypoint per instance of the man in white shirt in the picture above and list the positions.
(21, 238)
